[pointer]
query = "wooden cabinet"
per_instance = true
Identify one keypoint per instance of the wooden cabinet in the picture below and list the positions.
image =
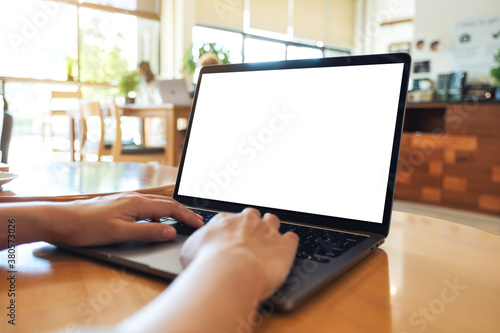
(450, 156)
(420, 168)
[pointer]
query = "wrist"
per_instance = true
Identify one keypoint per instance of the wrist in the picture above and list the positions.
(59, 223)
(231, 282)
(241, 268)
(46, 221)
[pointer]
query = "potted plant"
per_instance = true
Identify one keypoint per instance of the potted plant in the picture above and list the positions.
(191, 57)
(70, 63)
(128, 85)
(495, 73)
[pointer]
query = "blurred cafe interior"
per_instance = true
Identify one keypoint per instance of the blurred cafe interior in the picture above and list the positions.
(96, 98)
(69, 70)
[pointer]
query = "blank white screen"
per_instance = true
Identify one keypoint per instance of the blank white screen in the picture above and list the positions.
(314, 140)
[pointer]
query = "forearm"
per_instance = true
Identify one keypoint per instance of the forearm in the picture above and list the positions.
(211, 295)
(96, 221)
(29, 222)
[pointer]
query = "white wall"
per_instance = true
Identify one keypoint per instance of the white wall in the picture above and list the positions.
(434, 20)
(372, 37)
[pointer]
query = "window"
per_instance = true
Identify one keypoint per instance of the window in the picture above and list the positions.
(231, 41)
(124, 4)
(145, 6)
(41, 39)
(300, 52)
(334, 53)
(46, 42)
(38, 37)
(244, 47)
(108, 45)
(263, 50)
(148, 42)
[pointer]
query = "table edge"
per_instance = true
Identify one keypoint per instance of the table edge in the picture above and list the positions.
(166, 190)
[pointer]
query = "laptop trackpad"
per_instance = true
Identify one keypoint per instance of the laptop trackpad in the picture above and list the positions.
(147, 257)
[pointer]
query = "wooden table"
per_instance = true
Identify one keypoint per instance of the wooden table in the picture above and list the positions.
(76, 180)
(171, 113)
(429, 276)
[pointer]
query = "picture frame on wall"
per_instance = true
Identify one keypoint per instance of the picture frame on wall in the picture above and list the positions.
(400, 47)
(422, 66)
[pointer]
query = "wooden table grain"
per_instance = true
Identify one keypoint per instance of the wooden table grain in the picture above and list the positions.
(78, 180)
(430, 276)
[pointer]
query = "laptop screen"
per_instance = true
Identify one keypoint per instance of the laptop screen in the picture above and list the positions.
(312, 140)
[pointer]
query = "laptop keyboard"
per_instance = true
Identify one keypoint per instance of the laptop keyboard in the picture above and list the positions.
(315, 244)
(181, 227)
(321, 245)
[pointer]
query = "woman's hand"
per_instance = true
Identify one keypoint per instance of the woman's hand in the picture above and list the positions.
(110, 219)
(97, 221)
(246, 237)
(232, 264)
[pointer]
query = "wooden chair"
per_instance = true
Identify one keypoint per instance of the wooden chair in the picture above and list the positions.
(57, 111)
(8, 122)
(118, 149)
(132, 152)
(97, 146)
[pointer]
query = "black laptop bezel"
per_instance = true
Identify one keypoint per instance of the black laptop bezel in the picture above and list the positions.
(306, 218)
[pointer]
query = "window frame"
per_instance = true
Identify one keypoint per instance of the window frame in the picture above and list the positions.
(138, 13)
(111, 9)
(245, 35)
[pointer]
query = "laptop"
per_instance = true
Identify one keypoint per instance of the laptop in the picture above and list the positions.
(174, 91)
(315, 142)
